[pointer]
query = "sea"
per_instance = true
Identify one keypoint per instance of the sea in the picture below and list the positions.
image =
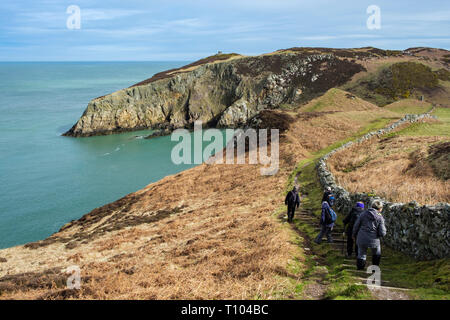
(47, 180)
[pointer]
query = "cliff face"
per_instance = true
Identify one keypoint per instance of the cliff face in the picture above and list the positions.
(221, 94)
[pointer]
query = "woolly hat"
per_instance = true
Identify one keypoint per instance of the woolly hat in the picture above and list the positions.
(360, 205)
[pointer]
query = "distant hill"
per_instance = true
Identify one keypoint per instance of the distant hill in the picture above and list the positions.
(338, 100)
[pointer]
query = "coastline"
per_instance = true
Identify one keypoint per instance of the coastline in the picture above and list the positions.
(165, 230)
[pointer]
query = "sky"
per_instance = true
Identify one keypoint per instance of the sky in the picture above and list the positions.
(186, 30)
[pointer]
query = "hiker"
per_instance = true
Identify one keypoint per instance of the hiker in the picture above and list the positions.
(327, 220)
(328, 196)
(368, 229)
(349, 223)
(292, 200)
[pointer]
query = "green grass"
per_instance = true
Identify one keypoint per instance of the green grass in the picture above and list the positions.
(324, 101)
(293, 289)
(443, 114)
(441, 128)
(410, 109)
(428, 279)
(424, 129)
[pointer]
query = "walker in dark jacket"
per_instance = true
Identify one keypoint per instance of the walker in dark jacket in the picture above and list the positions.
(349, 222)
(292, 200)
(368, 229)
(326, 227)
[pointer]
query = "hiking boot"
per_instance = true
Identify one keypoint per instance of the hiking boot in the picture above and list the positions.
(360, 264)
(376, 259)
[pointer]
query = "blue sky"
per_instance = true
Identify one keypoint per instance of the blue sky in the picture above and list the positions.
(35, 30)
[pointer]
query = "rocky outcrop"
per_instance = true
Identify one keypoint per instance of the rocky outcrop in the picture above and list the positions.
(419, 231)
(224, 93)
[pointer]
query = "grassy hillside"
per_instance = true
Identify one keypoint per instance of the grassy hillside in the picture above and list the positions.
(409, 106)
(206, 233)
(338, 100)
(441, 127)
(409, 164)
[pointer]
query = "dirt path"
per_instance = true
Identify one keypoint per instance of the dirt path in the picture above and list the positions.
(316, 287)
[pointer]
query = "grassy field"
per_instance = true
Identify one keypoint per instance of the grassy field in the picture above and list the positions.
(409, 106)
(429, 128)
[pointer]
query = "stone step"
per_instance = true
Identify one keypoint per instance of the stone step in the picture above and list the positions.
(361, 272)
(307, 219)
(339, 241)
(368, 260)
(354, 266)
(332, 232)
(364, 281)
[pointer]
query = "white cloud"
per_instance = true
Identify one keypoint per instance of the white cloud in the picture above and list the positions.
(108, 14)
(86, 15)
(436, 16)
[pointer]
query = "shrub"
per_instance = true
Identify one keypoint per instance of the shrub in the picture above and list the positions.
(400, 79)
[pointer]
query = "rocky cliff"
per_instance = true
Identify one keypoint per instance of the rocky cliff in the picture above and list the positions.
(222, 92)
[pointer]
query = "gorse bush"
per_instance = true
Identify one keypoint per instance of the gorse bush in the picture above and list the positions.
(443, 74)
(401, 79)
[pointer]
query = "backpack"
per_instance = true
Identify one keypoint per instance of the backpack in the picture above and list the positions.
(330, 216)
(330, 200)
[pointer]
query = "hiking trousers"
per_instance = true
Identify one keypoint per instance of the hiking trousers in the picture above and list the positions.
(362, 254)
(324, 231)
(290, 213)
(350, 243)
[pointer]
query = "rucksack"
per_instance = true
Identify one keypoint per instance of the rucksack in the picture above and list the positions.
(330, 216)
(331, 200)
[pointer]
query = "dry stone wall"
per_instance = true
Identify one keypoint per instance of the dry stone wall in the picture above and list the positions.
(422, 232)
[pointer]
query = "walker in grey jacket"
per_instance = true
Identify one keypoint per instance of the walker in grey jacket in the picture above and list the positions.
(368, 229)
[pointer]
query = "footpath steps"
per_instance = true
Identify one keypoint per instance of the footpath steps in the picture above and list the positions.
(349, 263)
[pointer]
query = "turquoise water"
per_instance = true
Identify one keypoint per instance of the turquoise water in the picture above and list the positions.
(48, 180)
